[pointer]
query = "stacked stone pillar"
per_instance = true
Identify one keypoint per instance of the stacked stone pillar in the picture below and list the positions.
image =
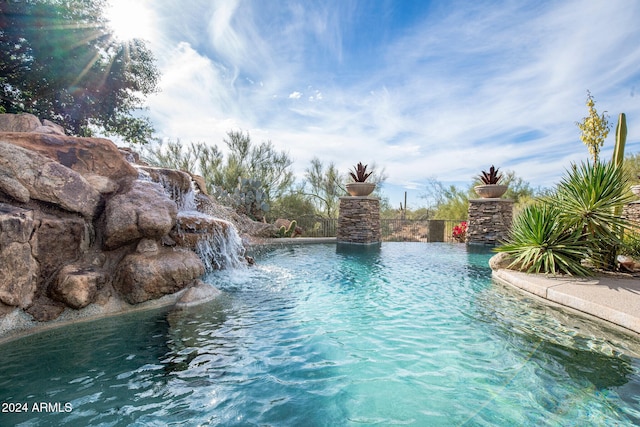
(631, 212)
(359, 220)
(489, 221)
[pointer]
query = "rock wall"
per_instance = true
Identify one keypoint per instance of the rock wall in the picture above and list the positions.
(359, 220)
(79, 229)
(489, 220)
(631, 212)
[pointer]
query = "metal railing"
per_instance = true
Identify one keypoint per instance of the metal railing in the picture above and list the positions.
(392, 230)
(418, 230)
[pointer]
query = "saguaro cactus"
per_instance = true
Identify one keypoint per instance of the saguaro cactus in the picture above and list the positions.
(621, 139)
(618, 153)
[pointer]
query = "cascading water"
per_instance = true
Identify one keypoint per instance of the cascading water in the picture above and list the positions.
(216, 241)
(183, 193)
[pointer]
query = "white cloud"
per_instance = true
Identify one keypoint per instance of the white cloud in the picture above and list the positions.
(464, 88)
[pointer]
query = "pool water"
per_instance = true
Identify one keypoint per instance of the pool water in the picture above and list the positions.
(404, 334)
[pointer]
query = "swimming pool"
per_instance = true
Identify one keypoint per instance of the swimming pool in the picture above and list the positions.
(403, 334)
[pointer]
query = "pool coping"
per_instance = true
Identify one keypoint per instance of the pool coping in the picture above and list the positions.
(615, 300)
(286, 241)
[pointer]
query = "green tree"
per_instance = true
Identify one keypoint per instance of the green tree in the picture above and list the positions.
(631, 166)
(262, 162)
(324, 187)
(247, 168)
(294, 205)
(452, 202)
(60, 61)
(594, 128)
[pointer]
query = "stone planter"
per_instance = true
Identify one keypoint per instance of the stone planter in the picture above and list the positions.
(490, 191)
(635, 189)
(360, 189)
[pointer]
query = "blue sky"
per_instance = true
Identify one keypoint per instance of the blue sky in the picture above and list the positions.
(440, 89)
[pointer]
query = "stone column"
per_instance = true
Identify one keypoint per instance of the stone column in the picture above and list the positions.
(359, 220)
(489, 220)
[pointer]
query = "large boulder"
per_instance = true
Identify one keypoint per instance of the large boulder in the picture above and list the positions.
(77, 286)
(86, 156)
(26, 122)
(144, 276)
(177, 184)
(58, 241)
(18, 273)
(143, 211)
(198, 294)
(27, 175)
(19, 122)
(18, 268)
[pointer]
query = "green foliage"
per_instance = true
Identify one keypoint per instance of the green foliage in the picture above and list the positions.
(579, 218)
(250, 199)
(540, 244)
(456, 205)
(324, 187)
(631, 245)
(292, 205)
(587, 195)
(631, 166)
(594, 128)
(199, 158)
(261, 162)
(248, 179)
(61, 62)
(587, 198)
(451, 202)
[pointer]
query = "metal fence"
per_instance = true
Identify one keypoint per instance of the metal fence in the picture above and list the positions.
(418, 230)
(392, 230)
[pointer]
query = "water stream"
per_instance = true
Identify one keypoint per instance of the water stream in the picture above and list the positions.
(215, 240)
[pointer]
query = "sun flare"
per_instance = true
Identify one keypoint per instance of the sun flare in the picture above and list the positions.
(130, 19)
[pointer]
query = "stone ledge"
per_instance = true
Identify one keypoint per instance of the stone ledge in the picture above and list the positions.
(614, 300)
(492, 199)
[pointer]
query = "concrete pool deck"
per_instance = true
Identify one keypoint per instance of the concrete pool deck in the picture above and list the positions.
(613, 299)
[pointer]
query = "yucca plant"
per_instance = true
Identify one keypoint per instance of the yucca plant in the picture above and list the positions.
(540, 244)
(587, 199)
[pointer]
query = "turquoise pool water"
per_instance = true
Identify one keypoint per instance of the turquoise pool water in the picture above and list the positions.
(409, 334)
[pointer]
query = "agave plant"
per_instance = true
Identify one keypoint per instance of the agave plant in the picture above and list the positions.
(360, 174)
(541, 244)
(491, 177)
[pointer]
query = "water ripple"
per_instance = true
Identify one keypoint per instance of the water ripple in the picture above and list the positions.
(415, 334)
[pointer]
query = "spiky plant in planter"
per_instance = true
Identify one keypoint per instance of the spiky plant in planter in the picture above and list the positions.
(360, 174)
(359, 186)
(492, 177)
(490, 187)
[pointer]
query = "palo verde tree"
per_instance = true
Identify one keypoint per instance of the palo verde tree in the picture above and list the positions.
(60, 61)
(325, 186)
(249, 174)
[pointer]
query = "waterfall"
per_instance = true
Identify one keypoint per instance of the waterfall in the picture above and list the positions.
(177, 185)
(216, 241)
(222, 249)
